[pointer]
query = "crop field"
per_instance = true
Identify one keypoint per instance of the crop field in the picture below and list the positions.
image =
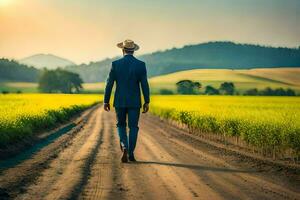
(24, 114)
(269, 123)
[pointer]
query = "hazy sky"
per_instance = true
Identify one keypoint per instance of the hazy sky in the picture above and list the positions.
(87, 30)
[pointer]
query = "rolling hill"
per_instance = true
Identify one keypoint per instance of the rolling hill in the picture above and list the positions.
(211, 55)
(46, 60)
(243, 79)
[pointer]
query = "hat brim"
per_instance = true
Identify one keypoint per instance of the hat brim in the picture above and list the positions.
(136, 47)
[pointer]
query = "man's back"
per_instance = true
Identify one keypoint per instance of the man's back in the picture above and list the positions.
(128, 73)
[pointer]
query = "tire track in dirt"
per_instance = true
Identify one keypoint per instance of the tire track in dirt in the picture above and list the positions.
(150, 178)
(196, 173)
(181, 181)
(111, 179)
(65, 175)
(144, 181)
(104, 171)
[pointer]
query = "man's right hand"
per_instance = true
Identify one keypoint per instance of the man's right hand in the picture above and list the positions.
(106, 107)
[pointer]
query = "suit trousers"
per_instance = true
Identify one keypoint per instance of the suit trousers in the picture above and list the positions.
(133, 115)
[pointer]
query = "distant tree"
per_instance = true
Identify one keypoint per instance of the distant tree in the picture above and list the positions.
(49, 82)
(267, 92)
(166, 91)
(290, 92)
(210, 90)
(227, 88)
(251, 92)
(188, 87)
(277, 92)
(5, 92)
(59, 80)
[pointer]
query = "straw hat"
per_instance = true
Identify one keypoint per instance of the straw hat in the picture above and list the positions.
(128, 45)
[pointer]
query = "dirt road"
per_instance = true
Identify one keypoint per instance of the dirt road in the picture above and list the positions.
(171, 165)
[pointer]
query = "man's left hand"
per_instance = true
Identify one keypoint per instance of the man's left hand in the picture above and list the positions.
(145, 107)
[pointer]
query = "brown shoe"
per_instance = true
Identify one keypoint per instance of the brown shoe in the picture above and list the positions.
(124, 158)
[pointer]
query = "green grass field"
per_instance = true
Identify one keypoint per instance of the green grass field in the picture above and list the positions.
(23, 87)
(243, 80)
(94, 87)
(26, 87)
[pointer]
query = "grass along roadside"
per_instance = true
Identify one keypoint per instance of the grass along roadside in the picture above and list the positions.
(268, 124)
(14, 87)
(23, 115)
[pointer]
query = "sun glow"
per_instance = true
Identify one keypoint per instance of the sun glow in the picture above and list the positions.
(5, 2)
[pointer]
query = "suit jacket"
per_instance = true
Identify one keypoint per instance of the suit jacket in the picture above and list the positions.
(130, 75)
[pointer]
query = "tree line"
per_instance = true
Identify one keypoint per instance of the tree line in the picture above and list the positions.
(270, 92)
(226, 88)
(11, 70)
(193, 87)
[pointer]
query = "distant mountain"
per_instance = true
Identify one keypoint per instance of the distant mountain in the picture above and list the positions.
(211, 55)
(94, 71)
(46, 60)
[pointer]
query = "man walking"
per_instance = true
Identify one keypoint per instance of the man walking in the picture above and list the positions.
(129, 74)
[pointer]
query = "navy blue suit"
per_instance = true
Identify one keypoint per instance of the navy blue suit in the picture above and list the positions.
(130, 75)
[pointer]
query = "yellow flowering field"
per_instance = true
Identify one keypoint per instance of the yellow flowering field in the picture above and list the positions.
(22, 115)
(265, 122)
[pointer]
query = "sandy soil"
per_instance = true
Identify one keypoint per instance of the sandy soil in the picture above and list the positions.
(171, 165)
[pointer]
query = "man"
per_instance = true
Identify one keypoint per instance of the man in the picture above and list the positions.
(129, 74)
